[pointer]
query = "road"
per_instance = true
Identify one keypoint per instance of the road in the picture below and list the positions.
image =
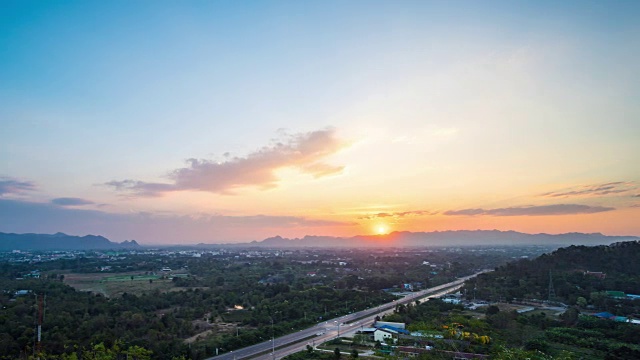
(333, 328)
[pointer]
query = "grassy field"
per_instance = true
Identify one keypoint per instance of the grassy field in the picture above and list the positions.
(115, 285)
(131, 277)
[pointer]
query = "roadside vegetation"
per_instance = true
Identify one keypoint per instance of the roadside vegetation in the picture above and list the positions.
(592, 313)
(173, 304)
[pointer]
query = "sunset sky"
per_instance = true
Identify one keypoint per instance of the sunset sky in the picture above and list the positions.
(227, 121)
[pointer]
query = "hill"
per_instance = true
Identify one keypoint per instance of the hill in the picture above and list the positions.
(445, 238)
(60, 241)
(575, 272)
(586, 300)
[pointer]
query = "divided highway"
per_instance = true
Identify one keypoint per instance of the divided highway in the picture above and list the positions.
(330, 329)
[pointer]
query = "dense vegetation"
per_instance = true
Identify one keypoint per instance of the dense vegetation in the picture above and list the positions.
(581, 276)
(231, 299)
(571, 272)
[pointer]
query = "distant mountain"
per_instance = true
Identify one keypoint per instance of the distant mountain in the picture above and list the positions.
(60, 241)
(445, 238)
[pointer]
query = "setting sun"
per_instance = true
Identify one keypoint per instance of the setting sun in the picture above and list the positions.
(381, 229)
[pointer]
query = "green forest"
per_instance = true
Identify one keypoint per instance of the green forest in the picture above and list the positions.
(563, 328)
(224, 302)
(217, 304)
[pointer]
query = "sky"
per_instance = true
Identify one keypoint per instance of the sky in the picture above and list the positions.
(178, 122)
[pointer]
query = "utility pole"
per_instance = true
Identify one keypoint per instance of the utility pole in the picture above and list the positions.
(273, 341)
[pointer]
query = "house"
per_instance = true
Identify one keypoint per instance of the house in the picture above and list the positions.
(384, 336)
(616, 294)
(368, 332)
(385, 331)
(394, 329)
(35, 274)
(610, 316)
(451, 301)
(407, 287)
(398, 325)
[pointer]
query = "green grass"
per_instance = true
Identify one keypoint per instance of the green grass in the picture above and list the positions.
(131, 278)
(114, 285)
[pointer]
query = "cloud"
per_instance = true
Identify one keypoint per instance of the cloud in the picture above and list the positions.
(71, 201)
(399, 214)
(616, 187)
(469, 212)
(151, 228)
(142, 188)
(542, 210)
(12, 186)
(304, 152)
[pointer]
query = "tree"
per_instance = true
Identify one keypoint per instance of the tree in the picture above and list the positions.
(598, 298)
(570, 316)
(492, 310)
(359, 339)
(309, 349)
(582, 302)
(138, 353)
(354, 353)
(336, 353)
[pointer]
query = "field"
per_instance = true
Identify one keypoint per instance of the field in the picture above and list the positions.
(112, 285)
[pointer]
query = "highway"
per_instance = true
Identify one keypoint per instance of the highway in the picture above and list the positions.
(345, 325)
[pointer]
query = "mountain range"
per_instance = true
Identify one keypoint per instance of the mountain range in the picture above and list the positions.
(60, 241)
(444, 238)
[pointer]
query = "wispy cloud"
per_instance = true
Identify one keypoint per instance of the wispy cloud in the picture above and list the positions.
(302, 151)
(542, 210)
(10, 185)
(399, 214)
(617, 187)
(71, 201)
(24, 216)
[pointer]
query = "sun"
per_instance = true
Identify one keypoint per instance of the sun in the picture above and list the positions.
(381, 229)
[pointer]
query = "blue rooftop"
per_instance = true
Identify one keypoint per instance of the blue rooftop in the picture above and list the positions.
(393, 328)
